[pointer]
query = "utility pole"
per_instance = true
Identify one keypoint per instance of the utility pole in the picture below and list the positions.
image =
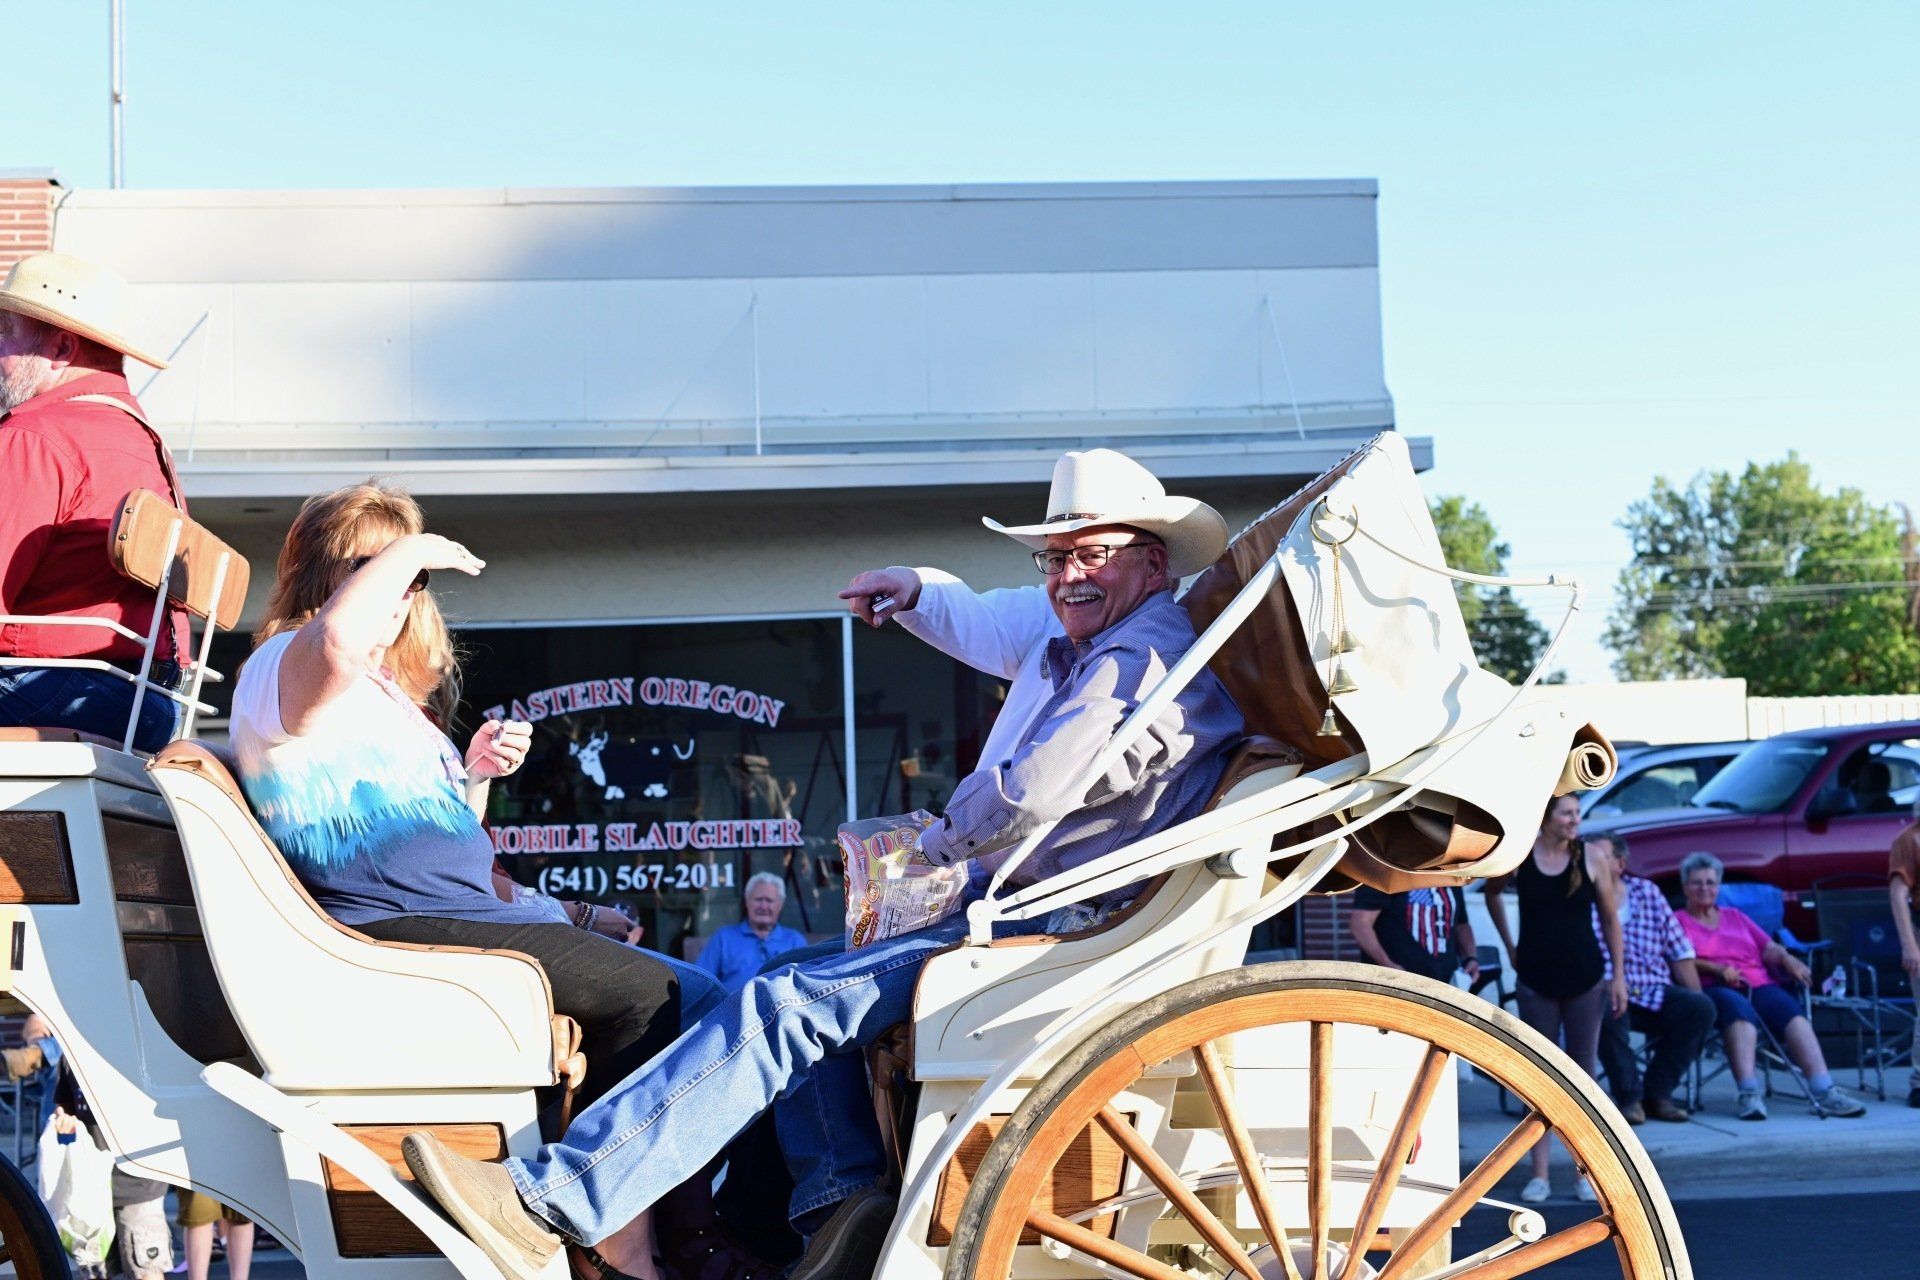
(117, 58)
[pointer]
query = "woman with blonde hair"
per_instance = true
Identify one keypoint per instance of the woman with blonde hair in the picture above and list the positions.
(378, 813)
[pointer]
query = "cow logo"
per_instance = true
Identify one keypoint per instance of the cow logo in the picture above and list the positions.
(642, 764)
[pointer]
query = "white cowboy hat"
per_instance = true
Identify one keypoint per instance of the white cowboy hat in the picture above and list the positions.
(76, 295)
(1103, 486)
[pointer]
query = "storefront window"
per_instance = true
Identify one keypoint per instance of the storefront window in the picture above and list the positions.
(669, 763)
(919, 717)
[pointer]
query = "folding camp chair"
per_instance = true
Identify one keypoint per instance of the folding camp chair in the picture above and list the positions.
(1880, 1003)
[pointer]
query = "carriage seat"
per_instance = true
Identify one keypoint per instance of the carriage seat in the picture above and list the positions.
(326, 1009)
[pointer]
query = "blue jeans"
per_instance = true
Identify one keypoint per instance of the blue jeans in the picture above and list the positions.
(1769, 1004)
(90, 701)
(663, 1123)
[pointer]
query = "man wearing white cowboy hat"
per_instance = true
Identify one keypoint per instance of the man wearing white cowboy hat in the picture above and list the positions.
(1004, 632)
(73, 444)
(1112, 547)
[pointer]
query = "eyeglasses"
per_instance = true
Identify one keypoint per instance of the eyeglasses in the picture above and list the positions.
(419, 582)
(1090, 557)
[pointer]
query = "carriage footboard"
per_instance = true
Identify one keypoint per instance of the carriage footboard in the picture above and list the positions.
(295, 1121)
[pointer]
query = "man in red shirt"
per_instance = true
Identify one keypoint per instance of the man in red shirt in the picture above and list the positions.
(73, 444)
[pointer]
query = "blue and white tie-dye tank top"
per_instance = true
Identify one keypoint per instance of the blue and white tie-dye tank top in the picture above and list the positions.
(368, 805)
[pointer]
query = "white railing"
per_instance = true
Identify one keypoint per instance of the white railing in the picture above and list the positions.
(142, 683)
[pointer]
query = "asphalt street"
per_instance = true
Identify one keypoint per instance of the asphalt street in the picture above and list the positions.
(1865, 1233)
(1820, 1231)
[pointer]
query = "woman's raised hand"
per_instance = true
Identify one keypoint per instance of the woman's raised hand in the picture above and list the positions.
(435, 552)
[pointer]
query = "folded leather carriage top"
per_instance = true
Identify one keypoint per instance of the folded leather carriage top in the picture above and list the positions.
(1412, 693)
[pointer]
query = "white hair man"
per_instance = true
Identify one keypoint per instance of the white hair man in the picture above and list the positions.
(73, 443)
(740, 950)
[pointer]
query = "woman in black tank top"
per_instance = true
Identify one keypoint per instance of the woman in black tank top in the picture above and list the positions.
(1558, 961)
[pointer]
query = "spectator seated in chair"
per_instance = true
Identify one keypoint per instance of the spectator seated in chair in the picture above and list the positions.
(740, 950)
(1737, 965)
(1664, 999)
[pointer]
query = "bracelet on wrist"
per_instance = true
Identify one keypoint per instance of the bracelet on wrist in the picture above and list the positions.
(583, 915)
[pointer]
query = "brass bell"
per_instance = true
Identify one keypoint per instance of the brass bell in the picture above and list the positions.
(1341, 682)
(1329, 727)
(1347, 641)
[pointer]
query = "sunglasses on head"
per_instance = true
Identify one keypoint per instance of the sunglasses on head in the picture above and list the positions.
(419, 582)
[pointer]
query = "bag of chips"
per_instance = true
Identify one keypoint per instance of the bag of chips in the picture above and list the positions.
(890, 890)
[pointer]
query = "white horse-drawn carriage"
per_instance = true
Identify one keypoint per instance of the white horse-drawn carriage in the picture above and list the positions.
(1129, 1101)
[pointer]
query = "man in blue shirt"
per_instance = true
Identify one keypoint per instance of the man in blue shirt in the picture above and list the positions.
(742, 949)
(1112, 548)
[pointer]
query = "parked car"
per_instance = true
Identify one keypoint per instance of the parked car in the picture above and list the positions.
(1662, 777)
(1790, 810)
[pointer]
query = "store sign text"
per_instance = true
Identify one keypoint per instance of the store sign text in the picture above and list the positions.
(647, 691)
(646, 837)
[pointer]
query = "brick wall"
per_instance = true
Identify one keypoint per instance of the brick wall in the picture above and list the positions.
(26, 218)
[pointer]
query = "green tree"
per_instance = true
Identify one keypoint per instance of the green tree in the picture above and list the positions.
(1763, 575)
(1505, 636)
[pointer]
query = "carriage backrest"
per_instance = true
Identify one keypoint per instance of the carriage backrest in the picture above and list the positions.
(138, 546)
(299, 982)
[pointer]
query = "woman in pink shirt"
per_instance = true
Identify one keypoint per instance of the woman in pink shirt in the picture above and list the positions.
(1736, 963)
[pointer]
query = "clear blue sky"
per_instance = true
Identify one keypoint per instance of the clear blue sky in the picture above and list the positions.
(1616, 239)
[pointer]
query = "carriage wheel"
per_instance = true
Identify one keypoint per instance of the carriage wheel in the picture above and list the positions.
(29, 1242)
(1556, 1097)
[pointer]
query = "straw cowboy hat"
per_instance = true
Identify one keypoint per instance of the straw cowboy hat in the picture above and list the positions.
(1103, 486)
(76, 295)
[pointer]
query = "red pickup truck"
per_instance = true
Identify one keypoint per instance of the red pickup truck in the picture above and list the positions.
(1790, 810)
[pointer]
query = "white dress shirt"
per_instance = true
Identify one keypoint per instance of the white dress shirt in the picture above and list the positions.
(1003, 632)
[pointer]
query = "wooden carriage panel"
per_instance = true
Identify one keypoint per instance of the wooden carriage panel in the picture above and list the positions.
(364, 1225)
(147, 862)
(36, 862)
(1092, 1168)
(175, 972)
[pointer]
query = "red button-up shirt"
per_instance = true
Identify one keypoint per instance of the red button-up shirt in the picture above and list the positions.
(65, 469)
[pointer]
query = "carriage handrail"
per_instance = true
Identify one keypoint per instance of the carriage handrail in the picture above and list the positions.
(1293, 802)
(982, 914)
(162, 611)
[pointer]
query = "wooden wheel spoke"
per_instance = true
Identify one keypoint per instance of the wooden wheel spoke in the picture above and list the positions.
(1463, 1197)
(1103, 1096)
(1181, 1196)
(1393, 1160)
(1253, 1175)
(1529, 1257)
(1319, 1139)
(1095, 1245)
